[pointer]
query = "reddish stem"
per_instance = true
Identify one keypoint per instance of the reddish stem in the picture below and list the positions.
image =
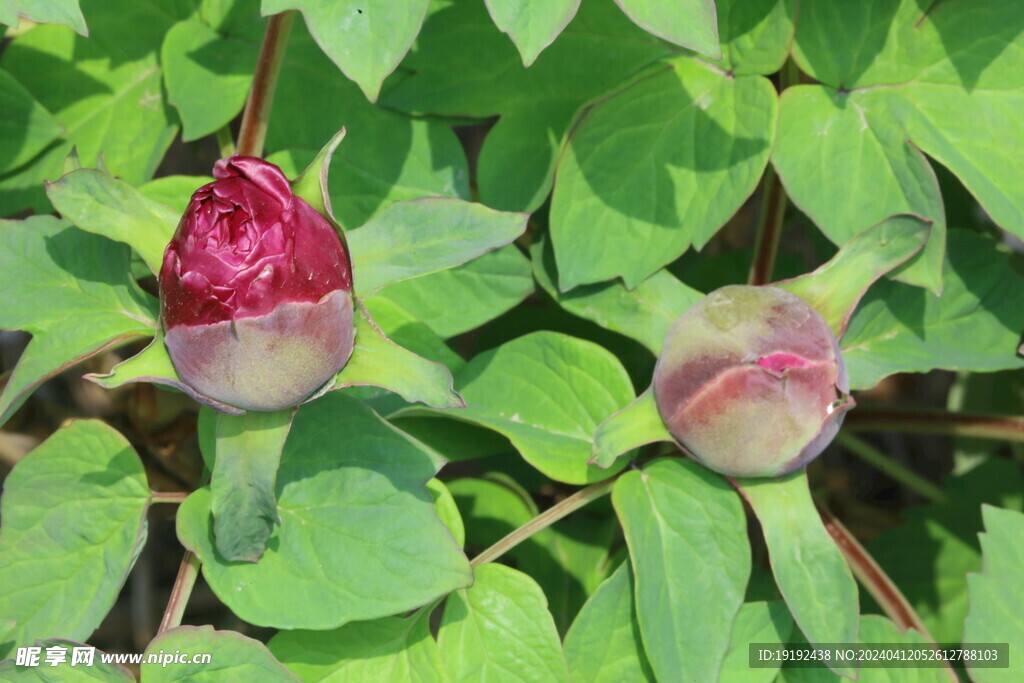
(1004, 427)
(264, 81)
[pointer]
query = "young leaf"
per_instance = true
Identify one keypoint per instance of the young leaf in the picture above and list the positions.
(423, 236)
(532, 27)
(26, 128)
(73, 292)
(95, 202)
(377, 361)
(687, 539)
(643, 313)
(634, 176)
(691, 23)
(546, 392)
(390, 649)
(463, 66)
(359, 538)
(500, 627)
(248, 453)
(638, 424)
(809, 570)
(74, 520)
(232, 656)
(995, 596)
(603, 645)
(975, 324)
(366, 40)
(835, 289)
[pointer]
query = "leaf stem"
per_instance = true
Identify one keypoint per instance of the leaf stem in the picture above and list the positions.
(1000, 427)
(882, 462)
(875, 581)
(225, 142)
(174, 497)
(264, 81)
(545, 519)
(180, 593)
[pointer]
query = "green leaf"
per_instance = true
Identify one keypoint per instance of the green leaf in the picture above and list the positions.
(72, 291)
(457, 440)
(820, 130)
(944, 70)
(447, 510)
(410, 332)
(995, 597)
(392, 649)
(198, 61)
(810, 571)
(532, 27)
(756, 622)
(26, 128)
(98, 203)
(604, 643)
(643, 313)
(232, 657)
(657, 167)
(105, 91)
(173, 191)
(835, 288)
(546, 392)
(248, 453)
(377, 361)
(465, 297)
(74, 520)
(423, 236)
(756, 34)
(930, 555)
(359, 538)
(677, 516)
(388, 157)
(974, 325)
(688, 23)
(365, 40)
(638, 424)
(500, 628)
(66, 12)
(463, 66)
(65, 672)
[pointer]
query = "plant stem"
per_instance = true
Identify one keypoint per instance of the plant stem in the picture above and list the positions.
(773, 205)
(225, 142)
(1001, 427)
(545, 519)
(175, 497)
(264, 81)
(769, 229)
(882, 462)
(873, 577)
(180, 593)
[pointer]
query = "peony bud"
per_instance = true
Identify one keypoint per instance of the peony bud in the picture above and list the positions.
(255, 291)
(751, 382)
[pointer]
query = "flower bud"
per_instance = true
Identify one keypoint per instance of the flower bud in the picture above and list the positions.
(255, 291)
(751, 381)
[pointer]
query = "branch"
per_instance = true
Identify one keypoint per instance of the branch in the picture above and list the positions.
(1000, 427)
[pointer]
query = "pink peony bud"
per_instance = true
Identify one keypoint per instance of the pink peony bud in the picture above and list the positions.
(751, 382)
(255, 291)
